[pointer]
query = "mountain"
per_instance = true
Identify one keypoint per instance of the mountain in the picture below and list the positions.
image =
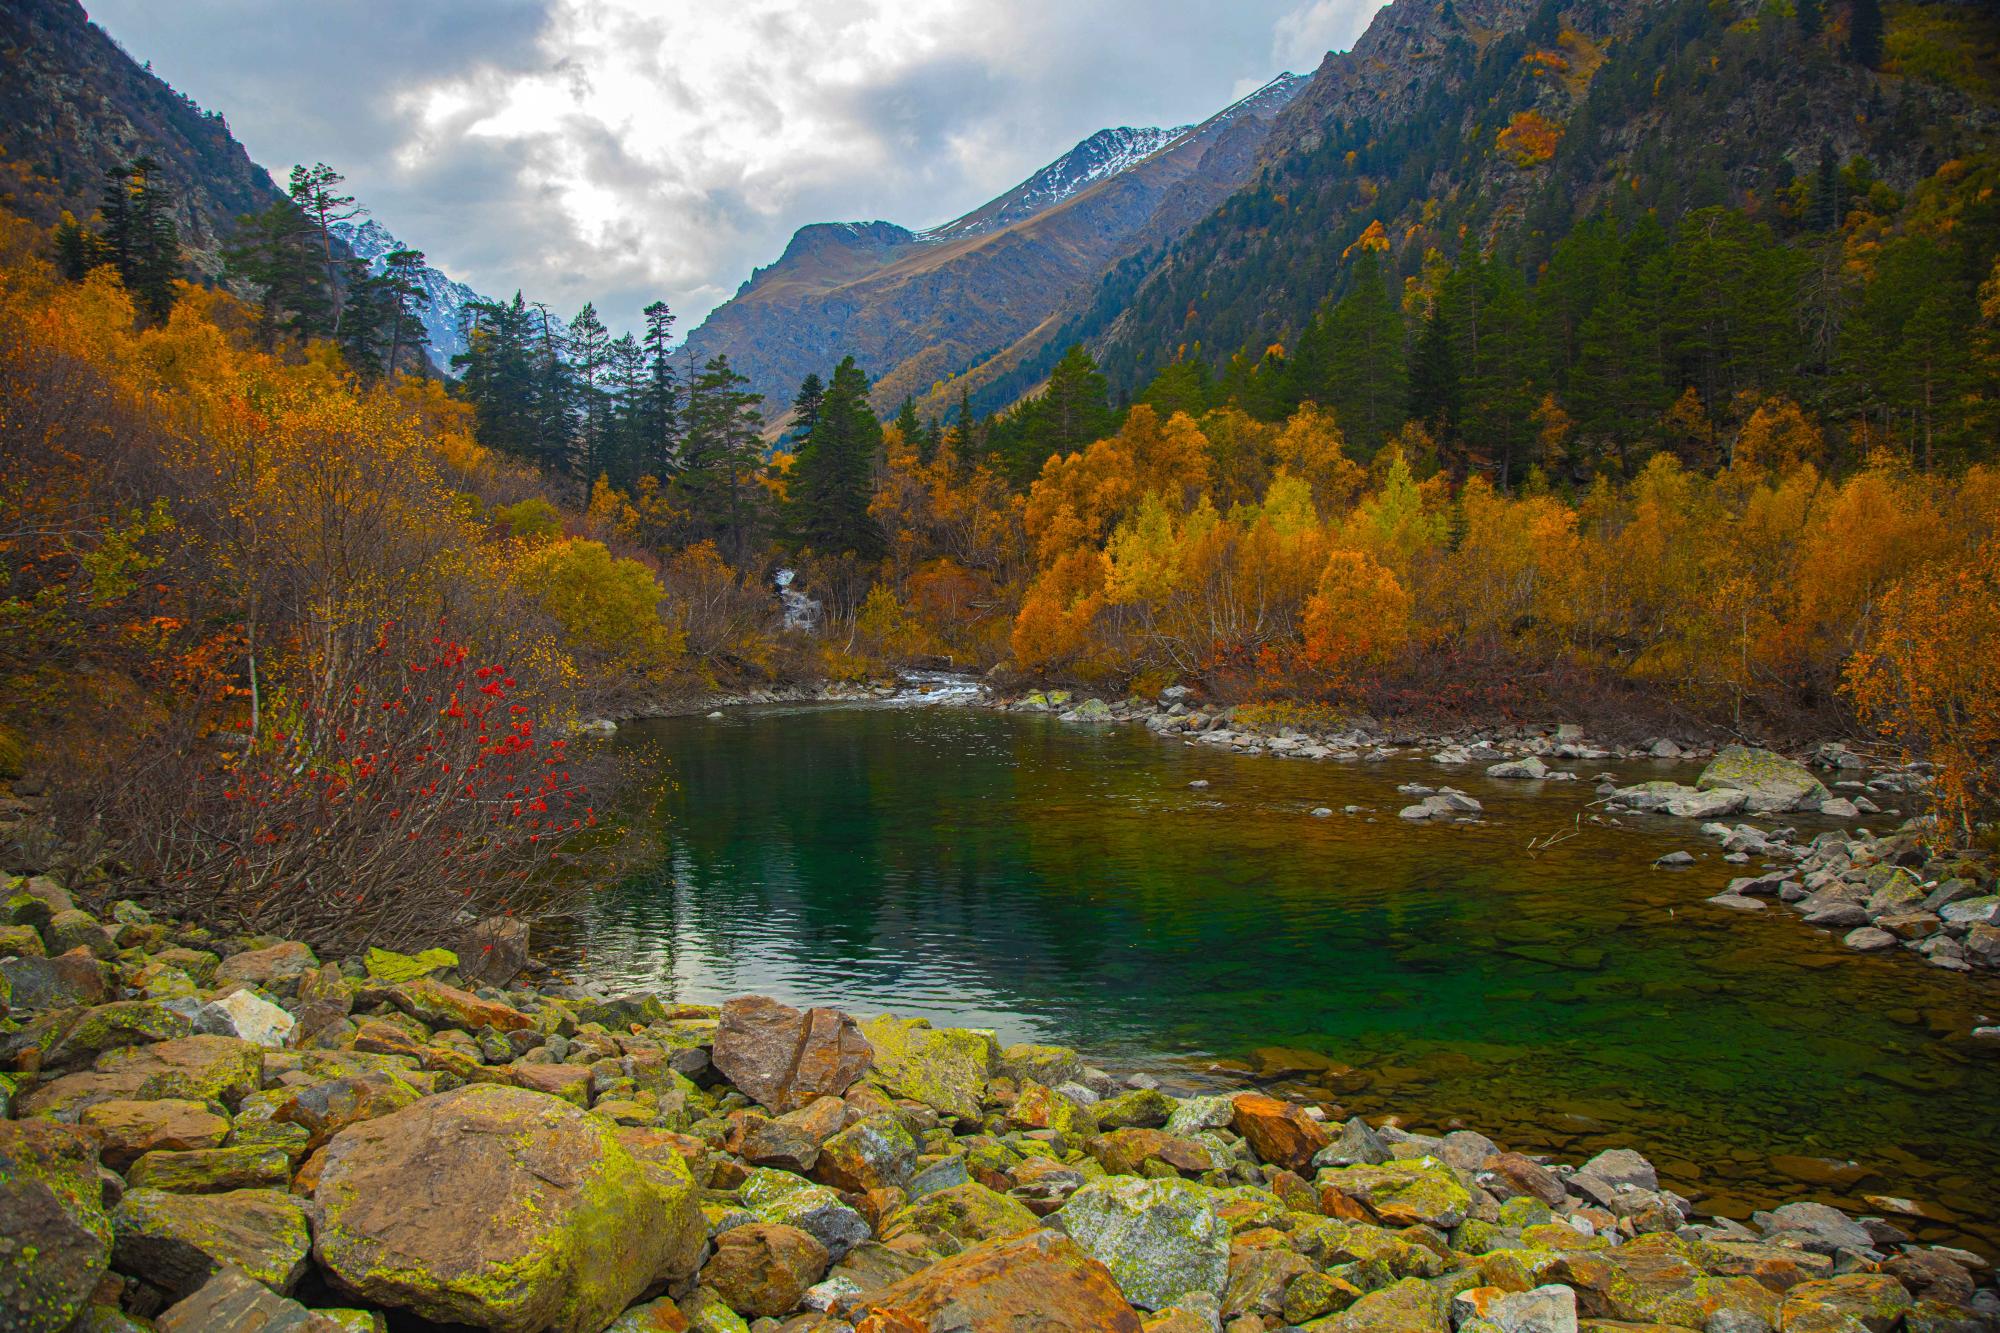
(444, 317)
(1498, 125)
(73, 106)
(918, 309)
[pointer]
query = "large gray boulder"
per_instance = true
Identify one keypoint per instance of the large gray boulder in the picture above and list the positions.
(1769, 782)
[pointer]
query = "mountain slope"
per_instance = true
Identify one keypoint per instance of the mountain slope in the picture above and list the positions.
(73, 106)
(918, 307)
(1498, 124)
(444, 317)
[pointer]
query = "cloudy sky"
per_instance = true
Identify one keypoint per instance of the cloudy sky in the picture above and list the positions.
(627, 150)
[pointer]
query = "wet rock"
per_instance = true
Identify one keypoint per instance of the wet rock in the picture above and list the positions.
(1675, 860)
(533, 1215)
(55, 1239)
(1869, 939)
(1038, 1280)
(783, 1057)
(178, 1241)
(944, 1068)
(764, 1269)
(1531, 769)
(1358, 1145)
(1735, 903)
(1278, 1132)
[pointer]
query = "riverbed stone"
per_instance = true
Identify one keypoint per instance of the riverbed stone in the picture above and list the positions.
(1770, 782)
(1409, 1306)
(875, 1153)
(784, 1058)
(944, 1068)
(953, 1219)
(1278, 1132)
(1039, 1280)
(533, 1217)
(130, 1129)
(197, 1068)
(778, 1196)
(178, 1241)
(1401, 1193)
(1160, 1239)
(234, 1302)
(55, 1239)
(764, 1268)
(1849, 1303)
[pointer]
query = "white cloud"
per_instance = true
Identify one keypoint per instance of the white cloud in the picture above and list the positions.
(622, 150)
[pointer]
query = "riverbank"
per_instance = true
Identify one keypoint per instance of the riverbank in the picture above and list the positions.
(202, 1129)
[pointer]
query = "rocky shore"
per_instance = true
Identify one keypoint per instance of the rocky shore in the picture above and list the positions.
(1878, 891)
(203, 1132)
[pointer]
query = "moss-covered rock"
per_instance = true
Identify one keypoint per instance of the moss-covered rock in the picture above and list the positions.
(1401, 1193)
(197, 1068)
(392, 968)
(764, 1269)
(1161, 1239)
(532, 1215)
(178, 1241)
(131, 1129)
(953, 1219)
(55, 1239)
(212, 1170)
(1769, 782)
(109, 1026)
(944, 1068)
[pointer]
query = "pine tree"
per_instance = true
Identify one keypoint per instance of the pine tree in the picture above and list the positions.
(629, 383)
(316, 191)
(833, 479)
(1366, 375)
(722, 450)
(405, 298)
(1435, 397)
(589, 352)
(1826, 212)
(912, 430)
(659, 453)
(137, 236)
(276, 253)
(496, 374)
(805, 412)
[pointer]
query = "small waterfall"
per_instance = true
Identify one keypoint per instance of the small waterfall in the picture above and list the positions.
(801, 611)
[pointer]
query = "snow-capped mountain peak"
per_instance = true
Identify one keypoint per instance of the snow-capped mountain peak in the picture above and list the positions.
(444, 317)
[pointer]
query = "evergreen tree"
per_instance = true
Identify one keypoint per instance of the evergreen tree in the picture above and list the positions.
(1435, 397)
(1826, 211)
(805, 412)
(1074, 411)
(1810, 18)
(722, 452)
(630, 385)
(496, 374)
(834, 477)
(137, 236)
(405, 299)
(1864, 33)
(1366, 376)
(276, 252)
(589, 349)
(659, 452)
(913, 432)
(316, 191)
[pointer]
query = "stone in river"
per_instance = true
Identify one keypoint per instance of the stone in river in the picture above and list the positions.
(1868, 939)
(785, 1058)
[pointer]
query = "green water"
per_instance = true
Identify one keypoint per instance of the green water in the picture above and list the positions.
(1062, 883)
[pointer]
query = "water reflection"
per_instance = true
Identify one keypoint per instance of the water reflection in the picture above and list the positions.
(1066, 884)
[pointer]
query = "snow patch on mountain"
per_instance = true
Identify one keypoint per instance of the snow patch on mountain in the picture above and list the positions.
(444, 317)
(1103, 155)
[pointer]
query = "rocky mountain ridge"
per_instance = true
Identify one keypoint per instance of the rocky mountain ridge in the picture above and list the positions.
(444, 315)
(918, 308)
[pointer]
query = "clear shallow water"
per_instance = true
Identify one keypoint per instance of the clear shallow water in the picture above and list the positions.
(1064, 883)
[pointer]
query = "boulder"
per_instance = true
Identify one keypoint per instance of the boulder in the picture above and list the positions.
(1051, 1066)
(1530, 769)
(779, 1196)
(261, 967)
(324, 1109)
(247, 1016)
(875, 1153)
(784, 1058)
(1845, 1304)
(1400, 1194)
(131, 1129)
(1550, 1309)
(1769, 782)
(1410, 1306)
(1160, 1239)
(762, 1141)
(950, 1220)
(437, 1005)
(234, 1302)
(67, 981)
(944, 1068)
(529, 1214)
(178, 1241)
(1621, 1166)
(1038, 1280)
(1125, 1152)
(212, 1170)
(71, 930)
(197, 1068)
(110, 1026)
(763, 1269)
(54, 1237)
(1278, 1132)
